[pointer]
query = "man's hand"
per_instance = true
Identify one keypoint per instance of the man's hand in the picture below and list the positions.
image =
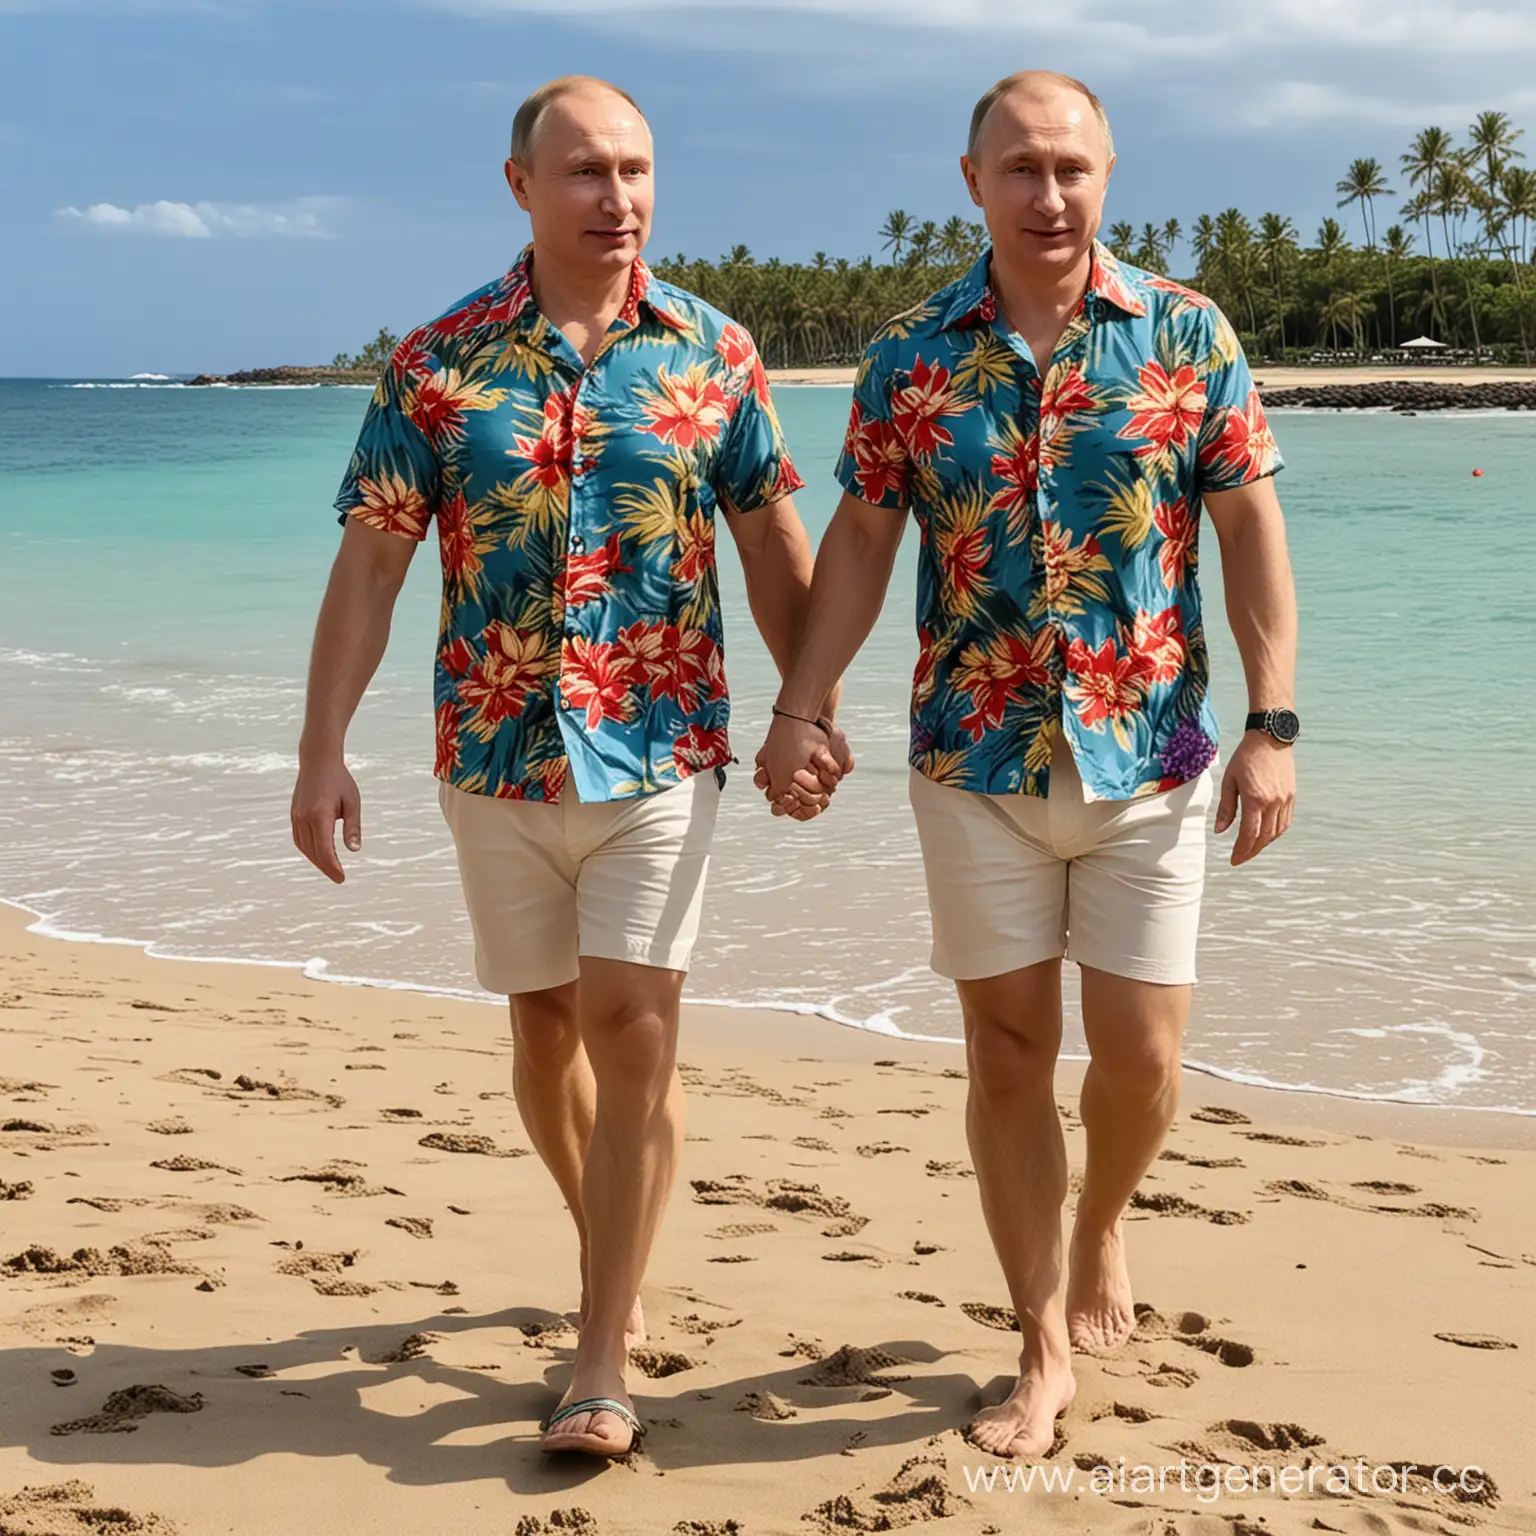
(326, 793)
(800, 766)
(1262, 776)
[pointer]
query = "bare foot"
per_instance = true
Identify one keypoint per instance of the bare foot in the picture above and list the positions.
(1100, 1311)
(1025, 1425)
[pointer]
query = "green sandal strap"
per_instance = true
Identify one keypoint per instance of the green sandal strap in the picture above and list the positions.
(596, 1405)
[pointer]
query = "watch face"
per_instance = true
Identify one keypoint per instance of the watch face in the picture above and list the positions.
(1284, 725)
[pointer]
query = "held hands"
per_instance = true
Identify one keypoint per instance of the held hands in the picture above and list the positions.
(326, 793)
(1262, 776)
(800, 766)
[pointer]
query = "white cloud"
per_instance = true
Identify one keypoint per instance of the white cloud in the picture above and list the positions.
(305, 217)
(1390, 53)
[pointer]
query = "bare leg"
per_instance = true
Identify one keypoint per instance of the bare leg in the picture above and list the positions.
(1130, 1094)
(556, 1097)
(1013, 1033)
(629, 1016)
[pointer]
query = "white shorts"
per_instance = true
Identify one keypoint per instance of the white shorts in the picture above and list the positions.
(1112, 884)
(615, 880)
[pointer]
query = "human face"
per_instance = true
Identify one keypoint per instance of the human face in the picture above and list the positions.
(589, 189)
(1039, 176)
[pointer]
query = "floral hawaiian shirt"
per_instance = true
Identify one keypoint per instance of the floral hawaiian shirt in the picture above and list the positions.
(1059, 521)
(575, 508)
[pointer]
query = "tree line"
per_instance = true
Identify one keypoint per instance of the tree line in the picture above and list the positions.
(1455, 265)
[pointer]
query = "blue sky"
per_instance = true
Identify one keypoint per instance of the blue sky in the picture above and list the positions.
(214, 184)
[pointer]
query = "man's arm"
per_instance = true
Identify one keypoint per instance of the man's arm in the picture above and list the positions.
(777, 564)
(350, 637)
(1261, 608)
(853, 569)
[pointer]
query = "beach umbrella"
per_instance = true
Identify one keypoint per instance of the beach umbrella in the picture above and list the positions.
(1423, 344)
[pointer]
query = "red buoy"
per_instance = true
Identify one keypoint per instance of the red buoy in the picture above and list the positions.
(1477, 474)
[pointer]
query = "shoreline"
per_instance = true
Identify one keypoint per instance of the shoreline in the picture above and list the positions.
(820, 1025)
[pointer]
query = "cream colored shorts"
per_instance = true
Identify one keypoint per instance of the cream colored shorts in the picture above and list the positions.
(1112, 884)
(616, 880)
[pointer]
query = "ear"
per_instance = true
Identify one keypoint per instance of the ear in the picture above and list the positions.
(968, 171)
(1109, 170)
(517, 179)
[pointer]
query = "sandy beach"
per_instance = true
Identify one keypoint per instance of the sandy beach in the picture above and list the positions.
(1267, 378)
(276, 1257)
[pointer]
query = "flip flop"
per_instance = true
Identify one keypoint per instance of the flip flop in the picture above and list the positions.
(594, 1405)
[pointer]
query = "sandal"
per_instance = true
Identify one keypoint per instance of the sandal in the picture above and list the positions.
(594, 1405)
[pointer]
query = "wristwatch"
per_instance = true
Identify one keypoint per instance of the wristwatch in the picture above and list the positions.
(1281, 724)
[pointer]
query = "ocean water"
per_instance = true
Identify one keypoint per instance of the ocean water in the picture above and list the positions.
(162, 555)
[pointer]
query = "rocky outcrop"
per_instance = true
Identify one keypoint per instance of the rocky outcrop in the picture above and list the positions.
(1408, 396)
(290, 376)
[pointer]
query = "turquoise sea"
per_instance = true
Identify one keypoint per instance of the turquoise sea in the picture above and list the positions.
(162, 555)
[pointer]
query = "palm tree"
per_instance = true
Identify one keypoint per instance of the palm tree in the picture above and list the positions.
(1277, 245)
(954, 240)
(1429, 152)
(924, 240)
(1203, 242)
(1152, 253)
(1173, 232)
(896, 231)
(1364, 184)
(1234, 254)
(1122, 237)
(1331, 244)
(1397, 247)
(1451, 192)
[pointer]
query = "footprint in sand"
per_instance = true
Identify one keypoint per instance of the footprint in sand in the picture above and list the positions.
(122, 1410)
(1274, 1139)
(181, 1163)
(1190, 1328)
(341, 1178)
(847, 1256)
(175, 1126)
(1002, 1318)
(741, 1229)
(1214, 1114)
(20, 1190)
(851, 1366)
(1164, 1203)
(1130, 1413)
(73, 1506)
(812, 1144)
(1301, 1189)
(136, 1258)
(923, 1296)
(922, 1490)
(658, 1363)
(1170, 1156)
(412, 1226)
(453, 1141)
(787, 1195)
(938, 1170)
(879, 1149)
(767, 1406)
(1165, 1374)
(1476, 1340)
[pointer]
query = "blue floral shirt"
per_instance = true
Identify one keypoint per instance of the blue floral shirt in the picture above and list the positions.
(575, 509)
(1060, 520)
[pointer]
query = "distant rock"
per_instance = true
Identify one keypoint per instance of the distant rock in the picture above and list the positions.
(290, 376)
(1408, 396)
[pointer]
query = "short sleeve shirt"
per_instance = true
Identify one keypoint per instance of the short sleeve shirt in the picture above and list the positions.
(1060, 518)
(580, 631)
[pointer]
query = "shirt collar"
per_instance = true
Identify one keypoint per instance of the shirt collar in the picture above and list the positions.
(975, 304)
(512, 299)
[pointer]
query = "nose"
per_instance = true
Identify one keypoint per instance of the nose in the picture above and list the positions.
(616, 198)
(1048, 199)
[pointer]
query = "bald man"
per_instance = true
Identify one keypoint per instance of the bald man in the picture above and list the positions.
(573, 427)
(1055, 422)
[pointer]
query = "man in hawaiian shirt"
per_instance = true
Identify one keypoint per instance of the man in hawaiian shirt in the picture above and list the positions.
(1055, 421)
(573, 427)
